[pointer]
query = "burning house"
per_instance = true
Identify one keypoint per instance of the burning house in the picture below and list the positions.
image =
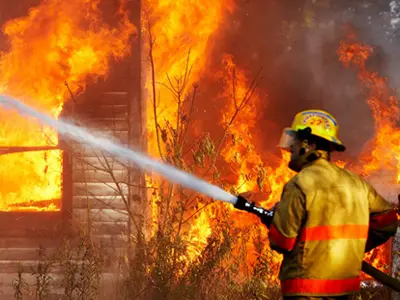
(57, 58)
(173, 82)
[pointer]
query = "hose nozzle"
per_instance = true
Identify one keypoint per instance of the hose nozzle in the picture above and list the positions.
(265, 215)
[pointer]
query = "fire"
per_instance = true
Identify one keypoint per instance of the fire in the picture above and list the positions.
(62, 42)
(382, 152)
(168, 26)
(279, 176)
(251, 172)
(239, 119)
(58, 42)
(199, 232)
(341, 163)
(182, 32)
(178, 35)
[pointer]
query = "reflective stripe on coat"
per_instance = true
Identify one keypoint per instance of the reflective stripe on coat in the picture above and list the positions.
(321, 226)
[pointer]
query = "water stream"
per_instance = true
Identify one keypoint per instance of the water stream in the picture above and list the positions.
(141, 160)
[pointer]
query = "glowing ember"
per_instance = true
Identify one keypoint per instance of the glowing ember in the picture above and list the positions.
(59, 41)
(340, 163)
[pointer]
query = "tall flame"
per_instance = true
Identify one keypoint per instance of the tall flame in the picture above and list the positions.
(382, 152)
(180, 36)
(239, 118)
(252, 172)
(182, 33)
(58, 42)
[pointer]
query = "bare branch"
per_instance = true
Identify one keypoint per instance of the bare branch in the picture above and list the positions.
(70, 93)
(153, 79)
(172, 86)
(245, 100)
(166, 86)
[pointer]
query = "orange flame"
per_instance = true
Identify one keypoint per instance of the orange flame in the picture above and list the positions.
(57, 42)
(181, 35)
(239, 117)
(341, 163)
(171, 27)
(382, 152)
(251, 172)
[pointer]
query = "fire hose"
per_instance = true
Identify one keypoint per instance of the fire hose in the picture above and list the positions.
(266, 216)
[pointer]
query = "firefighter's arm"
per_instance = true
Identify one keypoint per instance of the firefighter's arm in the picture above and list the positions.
(288, 219)
(382, 222)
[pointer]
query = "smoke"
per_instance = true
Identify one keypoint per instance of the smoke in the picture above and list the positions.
(296, 44)
(376, 24)
(381, 182)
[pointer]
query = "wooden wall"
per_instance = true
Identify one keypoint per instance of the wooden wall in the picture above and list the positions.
(99, 190)
(102, 190)
(100, 182)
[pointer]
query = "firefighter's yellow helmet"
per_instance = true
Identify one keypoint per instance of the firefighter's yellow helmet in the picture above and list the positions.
(321, 123)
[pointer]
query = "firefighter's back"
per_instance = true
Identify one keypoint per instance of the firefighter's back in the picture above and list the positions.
(332, 239)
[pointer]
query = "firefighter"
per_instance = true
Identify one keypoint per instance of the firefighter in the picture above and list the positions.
(327, 216)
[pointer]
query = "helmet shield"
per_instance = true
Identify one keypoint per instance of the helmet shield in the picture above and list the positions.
(288, 138)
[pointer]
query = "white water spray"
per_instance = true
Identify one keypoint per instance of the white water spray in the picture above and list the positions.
(141, 160)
